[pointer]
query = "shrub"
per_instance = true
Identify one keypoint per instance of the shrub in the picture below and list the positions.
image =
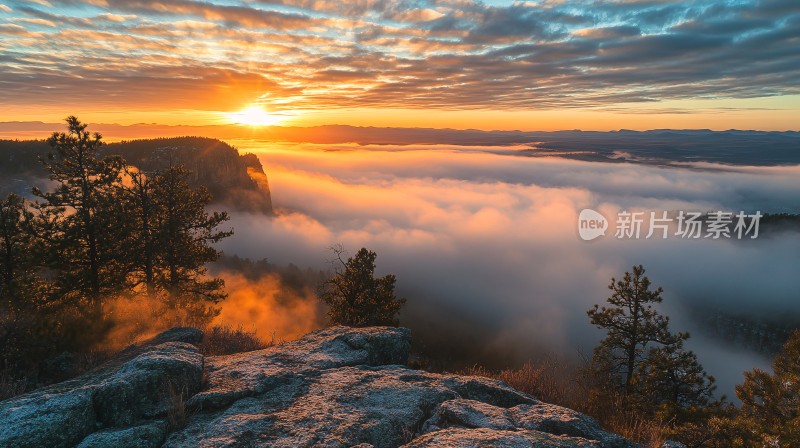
(226, 340)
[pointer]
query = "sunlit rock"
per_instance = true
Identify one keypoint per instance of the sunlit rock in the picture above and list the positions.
(336, 387)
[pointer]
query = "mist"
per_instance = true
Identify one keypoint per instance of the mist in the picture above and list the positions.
(486, 249)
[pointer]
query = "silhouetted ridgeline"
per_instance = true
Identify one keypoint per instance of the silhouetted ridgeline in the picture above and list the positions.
(675, 147)
(655, 147)
(233, 179)
(20, 159)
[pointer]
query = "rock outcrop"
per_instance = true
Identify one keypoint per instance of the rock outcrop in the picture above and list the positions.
(136, 386)
(336, 387)
(235, 180)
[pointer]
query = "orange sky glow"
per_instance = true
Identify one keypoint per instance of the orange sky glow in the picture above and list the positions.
(493, 65)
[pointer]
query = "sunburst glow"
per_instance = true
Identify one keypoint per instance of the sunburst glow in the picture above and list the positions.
(253, 116)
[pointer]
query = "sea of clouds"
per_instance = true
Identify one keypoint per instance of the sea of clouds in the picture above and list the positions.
(486, 249)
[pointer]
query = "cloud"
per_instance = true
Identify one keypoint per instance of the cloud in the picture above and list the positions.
(14, 30)
(149, 87)
(40, 22)
(486, 249)
(417, 54)
(610, 32)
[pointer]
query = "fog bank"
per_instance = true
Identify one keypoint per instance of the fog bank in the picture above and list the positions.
(486, 249)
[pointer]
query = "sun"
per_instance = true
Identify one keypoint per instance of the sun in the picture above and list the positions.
(253, 116)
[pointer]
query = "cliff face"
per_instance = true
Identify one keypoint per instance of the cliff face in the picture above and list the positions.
(238, 181)
(337, 387)
(232, 179)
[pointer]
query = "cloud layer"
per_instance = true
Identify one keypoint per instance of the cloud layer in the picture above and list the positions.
(486, 248)
(433, 54)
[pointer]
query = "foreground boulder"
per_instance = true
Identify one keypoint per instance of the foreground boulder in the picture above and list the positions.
(138, 385)
(336, 387)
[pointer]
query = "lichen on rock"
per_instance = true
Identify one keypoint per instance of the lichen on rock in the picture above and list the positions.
(336, 387)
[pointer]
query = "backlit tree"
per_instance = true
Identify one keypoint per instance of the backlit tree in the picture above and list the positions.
(356, 297)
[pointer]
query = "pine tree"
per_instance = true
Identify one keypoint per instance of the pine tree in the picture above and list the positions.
(356, 297)
(18, 280)
(139, 202)
(87, 224)
(771, 402)
(184, 232)
(641, 368)
(632, 324)
(672, 381)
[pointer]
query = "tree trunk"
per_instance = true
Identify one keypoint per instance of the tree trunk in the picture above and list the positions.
(633, 343)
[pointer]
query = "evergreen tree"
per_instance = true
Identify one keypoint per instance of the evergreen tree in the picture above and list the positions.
(139, 202)
(771, 402)
(632, 324)
(356, 297)
(85, 241)
(650, 372)
(104, 230)
(18, 280)
(720, 428)
(183, 234)
(672, 381)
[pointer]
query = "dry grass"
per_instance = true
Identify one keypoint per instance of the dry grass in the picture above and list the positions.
(555, 381)
(177, 415)
(226, 340)
(551, 380)
(651, 433)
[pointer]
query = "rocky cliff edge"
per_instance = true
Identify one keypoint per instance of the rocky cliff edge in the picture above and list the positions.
(336, 387)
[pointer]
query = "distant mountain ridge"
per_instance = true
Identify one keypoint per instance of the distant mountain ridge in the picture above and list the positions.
(653, 147)
(232, 179)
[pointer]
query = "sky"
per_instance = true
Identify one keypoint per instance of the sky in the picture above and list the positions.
(533, 65)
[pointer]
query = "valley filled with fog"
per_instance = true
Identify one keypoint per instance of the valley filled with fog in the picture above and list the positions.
(486, 249)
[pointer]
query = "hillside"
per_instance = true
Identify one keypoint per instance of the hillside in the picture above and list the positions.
(238, 181)
(336, 387)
